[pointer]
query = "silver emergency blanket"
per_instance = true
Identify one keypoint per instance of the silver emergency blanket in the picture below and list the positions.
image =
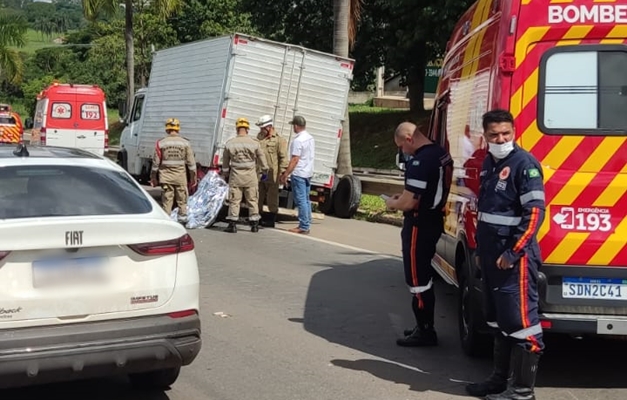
(205, 204)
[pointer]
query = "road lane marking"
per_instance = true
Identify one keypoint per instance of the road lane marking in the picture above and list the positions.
(341, 245)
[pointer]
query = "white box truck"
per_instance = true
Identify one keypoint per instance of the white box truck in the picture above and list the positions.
(208, 84)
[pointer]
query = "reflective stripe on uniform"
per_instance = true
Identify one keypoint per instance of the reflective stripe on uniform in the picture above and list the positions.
(492, 324)
(417, 183)
(173, 162)
(525, 333)
(533, 195)
(499, 219)
(243, 164)
(421, 289)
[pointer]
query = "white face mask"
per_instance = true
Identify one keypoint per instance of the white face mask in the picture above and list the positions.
(500, 151)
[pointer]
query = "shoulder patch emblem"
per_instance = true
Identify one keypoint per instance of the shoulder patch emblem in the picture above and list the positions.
(415, 163)
(533, 173)
(504, 173)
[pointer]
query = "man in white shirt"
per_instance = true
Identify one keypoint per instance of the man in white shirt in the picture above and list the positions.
(301, 166)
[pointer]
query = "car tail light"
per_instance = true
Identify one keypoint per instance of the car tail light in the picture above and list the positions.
(42, 136)
(181, 245)
(182, 314)
(546, 324)
(106, 144)
(3, 254)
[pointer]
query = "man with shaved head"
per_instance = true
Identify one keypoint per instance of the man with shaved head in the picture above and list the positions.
(428, 174)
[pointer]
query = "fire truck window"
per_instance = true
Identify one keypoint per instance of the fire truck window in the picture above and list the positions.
(61, 110)
(613, 90)
(7, 120)
(584, 90)
(90, 111)
(570, 100)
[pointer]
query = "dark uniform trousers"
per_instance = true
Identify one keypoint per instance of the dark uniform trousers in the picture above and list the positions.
(419, 237)
(511, 209)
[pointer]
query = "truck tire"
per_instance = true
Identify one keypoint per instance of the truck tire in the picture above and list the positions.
(123, 159)
(474, 342)
(347, 196)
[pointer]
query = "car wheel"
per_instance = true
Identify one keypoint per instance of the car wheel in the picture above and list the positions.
(474, 343)
(159, 379)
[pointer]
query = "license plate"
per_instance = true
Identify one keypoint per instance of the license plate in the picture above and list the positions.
(598, 289)
(69, 272)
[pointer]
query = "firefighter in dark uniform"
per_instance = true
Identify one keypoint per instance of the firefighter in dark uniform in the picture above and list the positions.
(511, 209)
(428, 174)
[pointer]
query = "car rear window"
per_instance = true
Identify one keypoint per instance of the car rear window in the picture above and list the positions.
(46, 191)
(7, 120)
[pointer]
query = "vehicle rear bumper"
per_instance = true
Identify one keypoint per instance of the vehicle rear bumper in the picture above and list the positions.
(85, 350)
(584, 324)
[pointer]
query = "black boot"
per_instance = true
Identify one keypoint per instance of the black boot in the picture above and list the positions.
(419, 337)
(254, 226)
(524, 367)
(497, 382)
(269, 220)
(232, 228)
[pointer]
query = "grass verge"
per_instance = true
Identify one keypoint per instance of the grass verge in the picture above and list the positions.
(35, 42)
(372, 209)
(115, 127)
(372, 129)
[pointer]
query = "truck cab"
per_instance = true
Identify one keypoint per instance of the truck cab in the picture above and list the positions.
(129, 140)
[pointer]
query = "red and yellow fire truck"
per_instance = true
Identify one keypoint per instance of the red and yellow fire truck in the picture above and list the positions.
(11, 128)
(559, 67)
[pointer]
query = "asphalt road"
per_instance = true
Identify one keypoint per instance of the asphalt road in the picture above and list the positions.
(287, 317)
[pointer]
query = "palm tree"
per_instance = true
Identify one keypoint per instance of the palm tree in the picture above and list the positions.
(12, 33)
(346, 16)
(92, 9)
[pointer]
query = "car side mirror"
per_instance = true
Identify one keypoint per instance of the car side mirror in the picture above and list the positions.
(122, 109)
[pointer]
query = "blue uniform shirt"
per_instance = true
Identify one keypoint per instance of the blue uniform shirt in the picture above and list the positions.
(511, 205)
(428, 176)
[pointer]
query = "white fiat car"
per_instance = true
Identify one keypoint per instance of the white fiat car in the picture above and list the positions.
(95, 279)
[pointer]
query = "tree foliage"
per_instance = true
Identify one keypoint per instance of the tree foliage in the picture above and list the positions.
(12, 33)
(403, 35)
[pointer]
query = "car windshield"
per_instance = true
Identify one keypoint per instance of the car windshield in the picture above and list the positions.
(52, 190)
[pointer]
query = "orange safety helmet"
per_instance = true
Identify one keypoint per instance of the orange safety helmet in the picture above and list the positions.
(242, 123)
(172, 124)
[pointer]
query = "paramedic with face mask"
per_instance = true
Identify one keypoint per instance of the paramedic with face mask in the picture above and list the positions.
(510, 211)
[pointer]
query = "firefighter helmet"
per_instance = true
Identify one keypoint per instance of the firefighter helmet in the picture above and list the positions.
(242, 123)
(172, 124)
(264, 120)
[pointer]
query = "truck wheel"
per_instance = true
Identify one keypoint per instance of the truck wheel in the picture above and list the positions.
(159, 379)
(474, 343)
(347, 196)
(123, 159)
